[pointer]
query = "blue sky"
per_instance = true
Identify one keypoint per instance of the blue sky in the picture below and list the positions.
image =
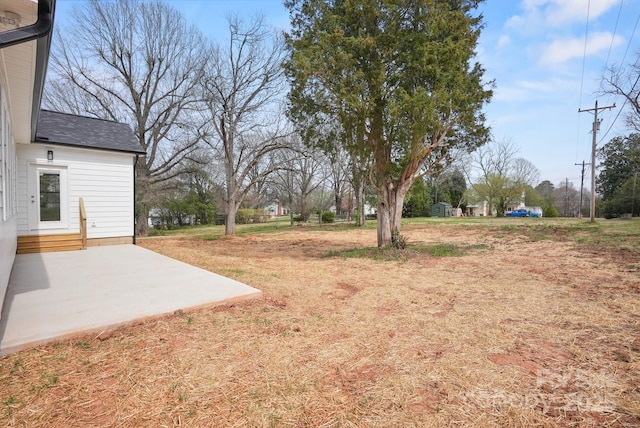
(536, 52)
(535, 49)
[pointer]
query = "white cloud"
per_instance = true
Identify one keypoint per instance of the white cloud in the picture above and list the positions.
(562, 50)
(565, 11)
(503, 41)
(541, 14)
(527, 90)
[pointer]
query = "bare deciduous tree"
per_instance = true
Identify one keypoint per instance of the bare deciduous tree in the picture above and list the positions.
(243, 91)
(302, 171)
(338, 174)
(625, 83)
(524, 172)
(310, 175)
(139, 63)
(283, 180)
(501, 178)
(567, 199)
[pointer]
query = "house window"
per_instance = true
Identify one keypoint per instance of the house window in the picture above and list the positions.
(3, 159)
(49, 196)
(3, 214)
(8, 189)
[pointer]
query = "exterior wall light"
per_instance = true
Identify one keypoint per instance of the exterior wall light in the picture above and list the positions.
(10, 19)
(50, 155)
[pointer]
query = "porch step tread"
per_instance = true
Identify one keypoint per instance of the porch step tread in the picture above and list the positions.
(48, 238)
(47, 243)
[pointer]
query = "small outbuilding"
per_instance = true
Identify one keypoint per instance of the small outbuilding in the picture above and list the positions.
(441, 209)
(73, 159)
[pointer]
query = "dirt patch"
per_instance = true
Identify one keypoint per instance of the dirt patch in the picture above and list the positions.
(532, 355)
(520, 333)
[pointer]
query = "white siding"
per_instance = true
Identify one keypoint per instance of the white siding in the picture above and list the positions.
(17, 70)
(103, 179)
(8, 197)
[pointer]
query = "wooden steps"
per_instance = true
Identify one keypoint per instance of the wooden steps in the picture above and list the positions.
(47, 243)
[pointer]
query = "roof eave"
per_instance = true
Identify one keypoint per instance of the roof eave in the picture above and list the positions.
(80, 146)
(41, 31)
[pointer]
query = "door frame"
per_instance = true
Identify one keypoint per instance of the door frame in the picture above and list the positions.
(33, 197)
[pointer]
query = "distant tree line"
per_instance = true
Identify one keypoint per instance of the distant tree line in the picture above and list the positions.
(392, 121)
(617, 182)
(261, 119)
(619, 159)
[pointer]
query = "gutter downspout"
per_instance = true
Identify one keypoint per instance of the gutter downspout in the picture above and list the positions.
(41, 28)
(40, 31)
(134, 198)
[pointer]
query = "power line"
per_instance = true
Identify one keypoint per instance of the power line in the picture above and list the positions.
(584, 60)
(613, 37)
(619, 111)
(613, 122)
(606, 63)
(584, 53)
(633, 33)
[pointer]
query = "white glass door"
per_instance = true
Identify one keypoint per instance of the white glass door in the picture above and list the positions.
(48, 199)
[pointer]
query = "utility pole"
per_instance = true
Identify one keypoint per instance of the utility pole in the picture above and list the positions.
(596, 126)
(581, 187)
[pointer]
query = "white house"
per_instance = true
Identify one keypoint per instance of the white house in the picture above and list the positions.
(51, 161)
(73, 158)
(479, 209)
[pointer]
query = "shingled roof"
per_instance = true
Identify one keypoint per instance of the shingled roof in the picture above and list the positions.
(87, 132)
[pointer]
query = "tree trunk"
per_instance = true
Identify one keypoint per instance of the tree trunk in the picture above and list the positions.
(142, 202)
(385, 214)
(383, 225)
(142, 221)
(338, 199)
(361, 215)
(390, 210)
(232, 207)
(303, 207)
(501, 207)
(291, 208)
(230, 224)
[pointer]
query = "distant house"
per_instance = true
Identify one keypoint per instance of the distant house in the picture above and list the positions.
(49, 161)
(475, 210)
(275, 208)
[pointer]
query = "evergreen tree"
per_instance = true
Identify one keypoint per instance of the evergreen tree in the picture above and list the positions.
(620, 165)
(401, 73)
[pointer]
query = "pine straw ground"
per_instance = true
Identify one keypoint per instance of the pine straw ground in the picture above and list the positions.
(515, 332)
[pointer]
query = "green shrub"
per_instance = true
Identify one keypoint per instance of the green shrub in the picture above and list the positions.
(246, 215)
(550, 211)
(328, 217)
(397, 240)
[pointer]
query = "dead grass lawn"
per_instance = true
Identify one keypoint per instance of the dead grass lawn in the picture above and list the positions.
(516, 333)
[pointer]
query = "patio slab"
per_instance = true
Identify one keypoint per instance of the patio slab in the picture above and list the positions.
(52, 296)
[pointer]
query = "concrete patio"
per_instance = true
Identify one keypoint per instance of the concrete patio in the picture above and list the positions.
(53, 296)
